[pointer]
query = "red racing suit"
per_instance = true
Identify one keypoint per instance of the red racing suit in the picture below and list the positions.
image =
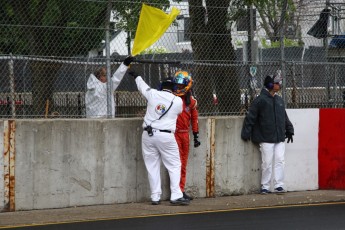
(188, 117)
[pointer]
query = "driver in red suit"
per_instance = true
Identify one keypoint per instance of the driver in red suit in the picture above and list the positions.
(188, 118)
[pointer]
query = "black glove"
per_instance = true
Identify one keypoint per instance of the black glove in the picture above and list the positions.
(133, 74)
(245, 138)
(289, 137)
(128, 60)
(196, 141)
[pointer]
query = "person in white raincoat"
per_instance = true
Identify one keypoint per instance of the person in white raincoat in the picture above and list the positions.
(96, 94)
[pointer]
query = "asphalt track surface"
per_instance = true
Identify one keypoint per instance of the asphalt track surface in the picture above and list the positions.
(327, 216)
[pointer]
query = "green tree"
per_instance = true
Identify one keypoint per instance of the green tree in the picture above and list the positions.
(210, 23)
(58, 28)
(269, 12)
(126, 16)
(51, 27)
(211, 43)
(44, 28)
(66, 28)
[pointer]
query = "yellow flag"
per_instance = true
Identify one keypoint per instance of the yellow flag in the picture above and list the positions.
(152, 24)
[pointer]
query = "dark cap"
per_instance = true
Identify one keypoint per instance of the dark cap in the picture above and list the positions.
(269, 81)
(168, 84)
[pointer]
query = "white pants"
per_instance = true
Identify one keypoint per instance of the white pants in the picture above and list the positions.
(272, 155)
(162, 146)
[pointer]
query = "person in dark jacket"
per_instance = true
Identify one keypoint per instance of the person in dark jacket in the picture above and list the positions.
(268, 125)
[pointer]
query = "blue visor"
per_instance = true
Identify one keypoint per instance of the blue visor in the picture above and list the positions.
(180, 80)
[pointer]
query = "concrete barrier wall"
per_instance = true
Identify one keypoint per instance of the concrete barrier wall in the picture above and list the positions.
(66, 163)
(301, 158)
(332, 149)
(62, 163)
(237, 163)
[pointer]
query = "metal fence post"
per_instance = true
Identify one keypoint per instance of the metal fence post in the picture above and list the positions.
(107, 50)
(282, 47)
(13, 99)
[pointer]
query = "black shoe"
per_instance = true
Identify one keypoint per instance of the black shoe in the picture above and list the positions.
(180, 201)
(187, 197)
(279, 190)
(155, 202)
(264, 191)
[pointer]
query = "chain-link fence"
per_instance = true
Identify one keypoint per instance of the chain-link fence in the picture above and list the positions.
(49, 49)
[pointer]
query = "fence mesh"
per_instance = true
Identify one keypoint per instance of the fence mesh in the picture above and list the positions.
(49, 49)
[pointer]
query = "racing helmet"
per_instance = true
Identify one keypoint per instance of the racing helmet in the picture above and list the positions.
(182, 78)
